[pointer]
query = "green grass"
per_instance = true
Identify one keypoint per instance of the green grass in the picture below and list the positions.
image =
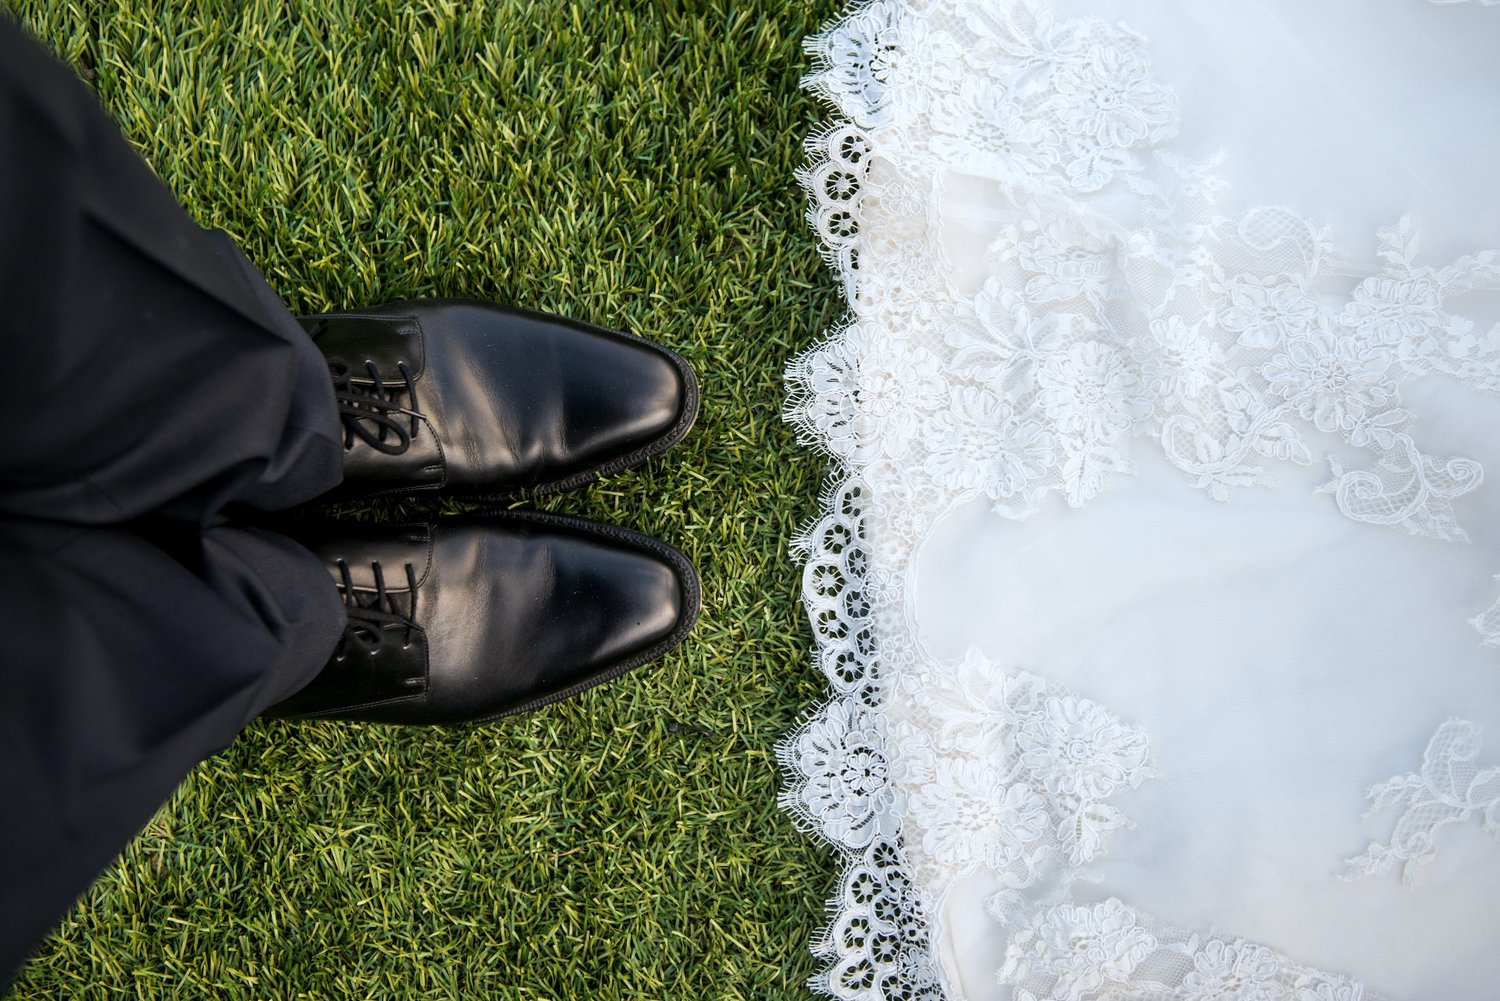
(628, 163)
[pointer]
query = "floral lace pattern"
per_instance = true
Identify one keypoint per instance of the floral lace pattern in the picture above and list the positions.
(1024, 372)
(1227, 340)
(1448, 790)
(855, 803)
(1043, 377)
(1001, 770)
(1070, 952)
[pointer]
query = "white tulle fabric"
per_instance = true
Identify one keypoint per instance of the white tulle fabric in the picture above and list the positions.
(1158, 537)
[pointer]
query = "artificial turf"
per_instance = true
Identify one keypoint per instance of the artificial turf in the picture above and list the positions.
(627, 163)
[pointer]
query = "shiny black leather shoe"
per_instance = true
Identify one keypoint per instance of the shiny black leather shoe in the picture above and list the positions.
(475, 618)
(472, 399)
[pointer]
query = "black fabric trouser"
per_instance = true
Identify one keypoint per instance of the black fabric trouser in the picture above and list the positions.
(154, 386)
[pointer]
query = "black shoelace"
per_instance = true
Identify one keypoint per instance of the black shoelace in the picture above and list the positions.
(370, 619)
(372, 413)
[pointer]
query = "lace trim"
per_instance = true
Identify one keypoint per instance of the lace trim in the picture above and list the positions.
(1448, 790)
(840, 780)
(1234, 343)
(877, 944)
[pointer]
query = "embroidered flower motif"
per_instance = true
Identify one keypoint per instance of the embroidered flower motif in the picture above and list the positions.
(1010, 337)
(1336, 382)
(1025, 459)
(1107, 95)
(1110, 952)
(977, 703)
(986, 446)
(1085, 948)
(1266, 312)
(970, 817)
(932, 60)
(848, 791)
(898, 387)
(1006, 723)
(856, 57)
(913, 978)
(1394, 311)
(1005, 328)
(969, 436)
(980, 122)
(1184, 360)
(1077, 749)
(897, 210)
(1234, 971)
(901, 301)
(1090, 390)
(824, 398)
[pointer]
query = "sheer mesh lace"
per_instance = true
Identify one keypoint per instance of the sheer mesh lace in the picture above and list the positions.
(1113, 301)
(1448, 790)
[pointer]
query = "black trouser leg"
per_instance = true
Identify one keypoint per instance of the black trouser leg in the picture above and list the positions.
(129, 658)
(154, 385)
(151, 369)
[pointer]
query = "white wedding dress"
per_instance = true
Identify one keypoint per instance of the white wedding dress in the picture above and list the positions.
(1156, 591)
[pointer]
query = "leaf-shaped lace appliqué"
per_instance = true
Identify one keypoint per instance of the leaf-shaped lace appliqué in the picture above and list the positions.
(1487, 624)
(1074, 952)
(1449, 789)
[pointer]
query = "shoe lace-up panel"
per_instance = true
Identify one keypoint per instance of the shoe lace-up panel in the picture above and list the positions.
(374, 619)
(372, 411)
(377, 364)
(382, 656)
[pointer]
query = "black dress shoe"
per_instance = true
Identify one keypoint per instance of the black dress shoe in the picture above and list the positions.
(474, 618)
(472, 399)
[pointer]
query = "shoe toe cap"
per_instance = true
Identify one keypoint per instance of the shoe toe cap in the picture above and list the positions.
(625, 400)
(552, 610)
(620, 603)
(547, 402)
